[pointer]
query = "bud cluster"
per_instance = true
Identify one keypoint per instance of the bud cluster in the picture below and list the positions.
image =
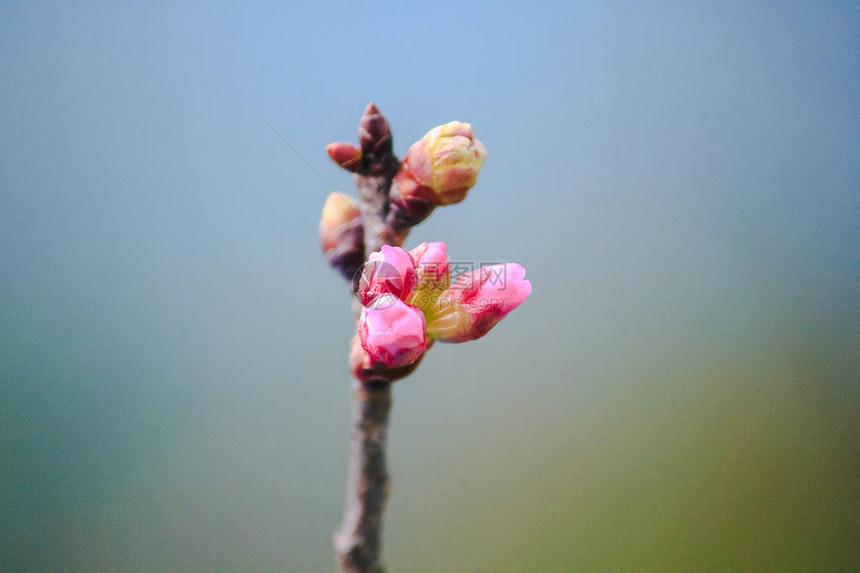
(408, 300)
(439, 169)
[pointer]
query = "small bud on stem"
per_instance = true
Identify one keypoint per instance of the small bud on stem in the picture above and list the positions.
(342, 234)
(345, 155)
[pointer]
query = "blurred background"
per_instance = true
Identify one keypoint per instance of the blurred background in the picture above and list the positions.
(681, 391)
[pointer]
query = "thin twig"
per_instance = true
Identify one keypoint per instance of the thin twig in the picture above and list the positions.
(358, 542)
(359, 539)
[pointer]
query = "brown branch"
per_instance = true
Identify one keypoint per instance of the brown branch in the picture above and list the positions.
(373, 191)
(387, 216)
(358, 541)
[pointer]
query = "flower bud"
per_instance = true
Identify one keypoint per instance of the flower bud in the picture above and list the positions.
(440, 168)
(374, 134)
(434, 273)
(392, 332)
(390, 270)
(342, 235)
(345, 155)
(476, 302)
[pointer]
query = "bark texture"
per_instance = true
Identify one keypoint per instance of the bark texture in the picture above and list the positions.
(358, 542)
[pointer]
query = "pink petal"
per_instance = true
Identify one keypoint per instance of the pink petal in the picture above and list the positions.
(392, 332)
(477, 301)
(390, 270)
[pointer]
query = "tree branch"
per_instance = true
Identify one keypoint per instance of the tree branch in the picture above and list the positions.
(358, 541)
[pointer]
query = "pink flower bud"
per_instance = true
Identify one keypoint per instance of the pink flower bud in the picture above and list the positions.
(477, 301)
(441, 167)
(390, 270)
(342, 235)
(434, 273)
(392, 332)
(345, 155)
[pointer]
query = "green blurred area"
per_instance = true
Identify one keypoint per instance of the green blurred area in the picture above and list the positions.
(737, 462)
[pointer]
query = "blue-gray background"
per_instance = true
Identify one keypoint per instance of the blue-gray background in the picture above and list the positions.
(173, 389)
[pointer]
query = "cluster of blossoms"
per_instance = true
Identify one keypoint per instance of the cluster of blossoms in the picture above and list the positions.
(409, 302)
(408, 299)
